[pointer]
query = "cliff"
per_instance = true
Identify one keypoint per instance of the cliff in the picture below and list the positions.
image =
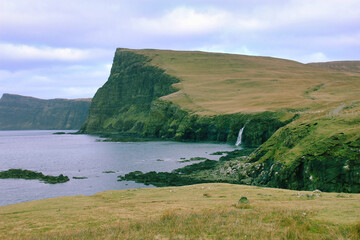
(321, 153)
(134, 101)
(302, 117)
(23, 113)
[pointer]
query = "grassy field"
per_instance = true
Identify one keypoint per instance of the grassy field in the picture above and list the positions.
(206, 211)
(217, 83)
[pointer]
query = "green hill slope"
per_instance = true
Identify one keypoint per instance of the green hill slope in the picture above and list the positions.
(20, 113)
(313, 111)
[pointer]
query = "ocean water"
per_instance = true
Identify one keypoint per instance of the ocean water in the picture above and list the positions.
(85, 156)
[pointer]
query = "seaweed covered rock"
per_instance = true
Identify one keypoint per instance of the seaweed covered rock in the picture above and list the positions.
(30, 175)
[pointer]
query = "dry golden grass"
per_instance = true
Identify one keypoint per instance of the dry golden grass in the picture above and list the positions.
(216, 83)
(206, 211)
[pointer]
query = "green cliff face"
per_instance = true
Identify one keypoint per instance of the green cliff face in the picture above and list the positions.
(321, 153)
(130, 103)
(22, 113)
(124, 103)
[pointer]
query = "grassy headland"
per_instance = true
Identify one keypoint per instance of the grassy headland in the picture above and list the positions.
(206, 211)
(303, 117)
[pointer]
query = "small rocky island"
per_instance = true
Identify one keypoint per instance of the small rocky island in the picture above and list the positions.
(30, 175)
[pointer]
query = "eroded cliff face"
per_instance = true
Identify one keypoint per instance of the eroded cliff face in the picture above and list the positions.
(130, 103)
(22, 113)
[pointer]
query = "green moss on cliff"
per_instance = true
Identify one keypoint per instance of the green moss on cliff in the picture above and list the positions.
(321, 153)
(123, 103)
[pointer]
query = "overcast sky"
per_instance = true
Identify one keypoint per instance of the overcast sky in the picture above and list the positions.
(64, 49)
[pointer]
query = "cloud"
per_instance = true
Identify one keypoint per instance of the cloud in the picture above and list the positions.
(80, 23)
(226, 49)
(282, 14)
(184, 21)
(27, 52)
(351, 39)
(73, 81)
(317, 57)
(172, 24)
(16, 57)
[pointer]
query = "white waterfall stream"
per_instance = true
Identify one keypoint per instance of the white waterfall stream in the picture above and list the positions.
(238, 140)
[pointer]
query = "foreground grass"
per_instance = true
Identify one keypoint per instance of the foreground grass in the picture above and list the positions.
(206, 211)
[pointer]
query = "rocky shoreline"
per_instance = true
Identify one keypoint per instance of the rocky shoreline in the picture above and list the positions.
(236, 167)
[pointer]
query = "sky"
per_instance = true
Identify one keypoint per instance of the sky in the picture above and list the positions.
(64, 49)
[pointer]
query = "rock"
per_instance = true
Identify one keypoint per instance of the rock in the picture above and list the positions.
(243, 200)
(30, 175)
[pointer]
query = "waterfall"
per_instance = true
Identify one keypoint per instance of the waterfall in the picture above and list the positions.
(238, 140)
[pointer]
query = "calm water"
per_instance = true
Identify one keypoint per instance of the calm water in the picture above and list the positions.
(83, 156)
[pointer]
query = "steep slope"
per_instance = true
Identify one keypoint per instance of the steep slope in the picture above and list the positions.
(313, 111)
(20, 112)
(127, 95)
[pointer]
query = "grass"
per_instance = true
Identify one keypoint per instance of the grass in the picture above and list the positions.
(206, 211)
(315, 136)
(217, 83)
(347, 66)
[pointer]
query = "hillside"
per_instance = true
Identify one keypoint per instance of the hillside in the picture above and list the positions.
(23, 113)
(206, 211)
(303, 118)
(215, 83)
(345, 66)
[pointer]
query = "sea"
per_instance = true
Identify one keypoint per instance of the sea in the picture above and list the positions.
(88, 157)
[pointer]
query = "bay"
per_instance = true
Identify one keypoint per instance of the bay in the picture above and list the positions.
(85, 156)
